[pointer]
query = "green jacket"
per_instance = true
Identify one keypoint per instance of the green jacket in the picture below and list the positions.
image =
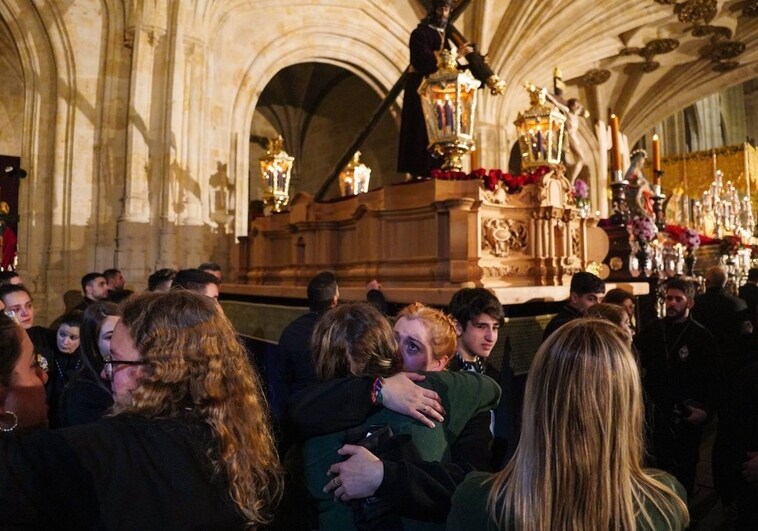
(469, 510)
(463, 395)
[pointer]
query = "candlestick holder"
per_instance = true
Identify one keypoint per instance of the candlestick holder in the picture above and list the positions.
(658, 199)
(619, 185)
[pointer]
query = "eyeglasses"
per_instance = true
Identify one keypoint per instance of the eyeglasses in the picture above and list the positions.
(109, 363)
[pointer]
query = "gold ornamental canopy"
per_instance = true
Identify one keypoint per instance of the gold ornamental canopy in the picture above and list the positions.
(448, 99)
(276, 171)
(540, 130)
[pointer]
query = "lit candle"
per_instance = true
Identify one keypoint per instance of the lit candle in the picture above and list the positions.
(746, 152)
(656, 156)
(474, 159)
(616, 144)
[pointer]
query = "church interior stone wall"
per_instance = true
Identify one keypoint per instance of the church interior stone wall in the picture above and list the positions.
(134, 118)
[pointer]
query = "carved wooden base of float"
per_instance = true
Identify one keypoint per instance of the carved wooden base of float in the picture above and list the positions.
(431, 234)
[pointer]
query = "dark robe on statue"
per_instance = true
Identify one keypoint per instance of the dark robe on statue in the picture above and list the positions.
(413, 155)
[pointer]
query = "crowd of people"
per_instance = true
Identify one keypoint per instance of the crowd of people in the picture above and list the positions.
(150, 401)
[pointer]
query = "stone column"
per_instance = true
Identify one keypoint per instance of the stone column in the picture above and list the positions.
(146, 39)
(708, 111)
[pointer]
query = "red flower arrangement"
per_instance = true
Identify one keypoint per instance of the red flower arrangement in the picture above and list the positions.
(492, 178)
(730, 245)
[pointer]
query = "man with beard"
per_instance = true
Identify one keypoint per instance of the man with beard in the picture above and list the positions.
(678, 358)
(427, 40)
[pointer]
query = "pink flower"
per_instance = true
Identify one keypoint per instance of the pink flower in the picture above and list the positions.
(643, 229)
(581, 189)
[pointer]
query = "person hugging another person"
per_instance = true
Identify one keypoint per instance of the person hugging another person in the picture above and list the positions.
(188, 445)
(578, 464)
(390, 469)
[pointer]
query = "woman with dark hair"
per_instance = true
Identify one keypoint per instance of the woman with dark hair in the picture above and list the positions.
(23, 405)
(615, 314)
(623, 298)
(189, 445)
(87, 397)
(412, 484)
(578, 464)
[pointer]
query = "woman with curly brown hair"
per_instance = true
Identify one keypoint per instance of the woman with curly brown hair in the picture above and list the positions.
(188, 447)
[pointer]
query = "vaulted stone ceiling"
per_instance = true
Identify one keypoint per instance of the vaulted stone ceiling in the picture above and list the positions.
(641, 59)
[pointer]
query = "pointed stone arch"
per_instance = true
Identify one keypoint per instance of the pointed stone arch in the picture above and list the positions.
(49, 81)
(350, 50)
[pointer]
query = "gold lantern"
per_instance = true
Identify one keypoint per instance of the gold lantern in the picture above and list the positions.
(355, 177)
(448, 99)
(540, 130)
(276, 170)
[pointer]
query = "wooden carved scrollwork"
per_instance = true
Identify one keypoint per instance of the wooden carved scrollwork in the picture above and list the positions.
(500, 237)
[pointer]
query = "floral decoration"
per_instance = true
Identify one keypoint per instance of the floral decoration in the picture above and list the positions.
(730, 245)
(643, 229)
(492, 179)
(581, 190)
(690, 239)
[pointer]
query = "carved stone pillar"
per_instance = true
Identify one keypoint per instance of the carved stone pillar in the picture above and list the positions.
(134, 254)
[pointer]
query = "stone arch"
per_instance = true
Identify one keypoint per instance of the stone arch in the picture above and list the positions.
(49, 78)
(342, 49)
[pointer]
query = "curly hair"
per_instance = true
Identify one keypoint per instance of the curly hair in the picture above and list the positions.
(194, 360)
(582, 439)
(441, 328)
(354, 338)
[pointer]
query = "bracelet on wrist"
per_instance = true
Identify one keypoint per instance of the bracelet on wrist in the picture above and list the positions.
(376, 392)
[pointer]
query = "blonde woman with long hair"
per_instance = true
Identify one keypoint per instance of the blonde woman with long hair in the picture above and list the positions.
(188, 445)
(578, 465)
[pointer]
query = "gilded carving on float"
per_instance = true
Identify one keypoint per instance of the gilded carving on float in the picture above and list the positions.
(502, 236)
(575, 242)
(511, 271)
(571, 264)
(596, 76)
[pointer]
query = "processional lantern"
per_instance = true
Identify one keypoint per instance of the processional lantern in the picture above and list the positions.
(540, 130)
(276, 171)
(355, 177)
(448, 99)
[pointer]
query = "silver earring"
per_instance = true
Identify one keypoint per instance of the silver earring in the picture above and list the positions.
(13, 423)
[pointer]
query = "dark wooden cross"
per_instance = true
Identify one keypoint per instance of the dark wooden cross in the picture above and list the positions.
(379, 113)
